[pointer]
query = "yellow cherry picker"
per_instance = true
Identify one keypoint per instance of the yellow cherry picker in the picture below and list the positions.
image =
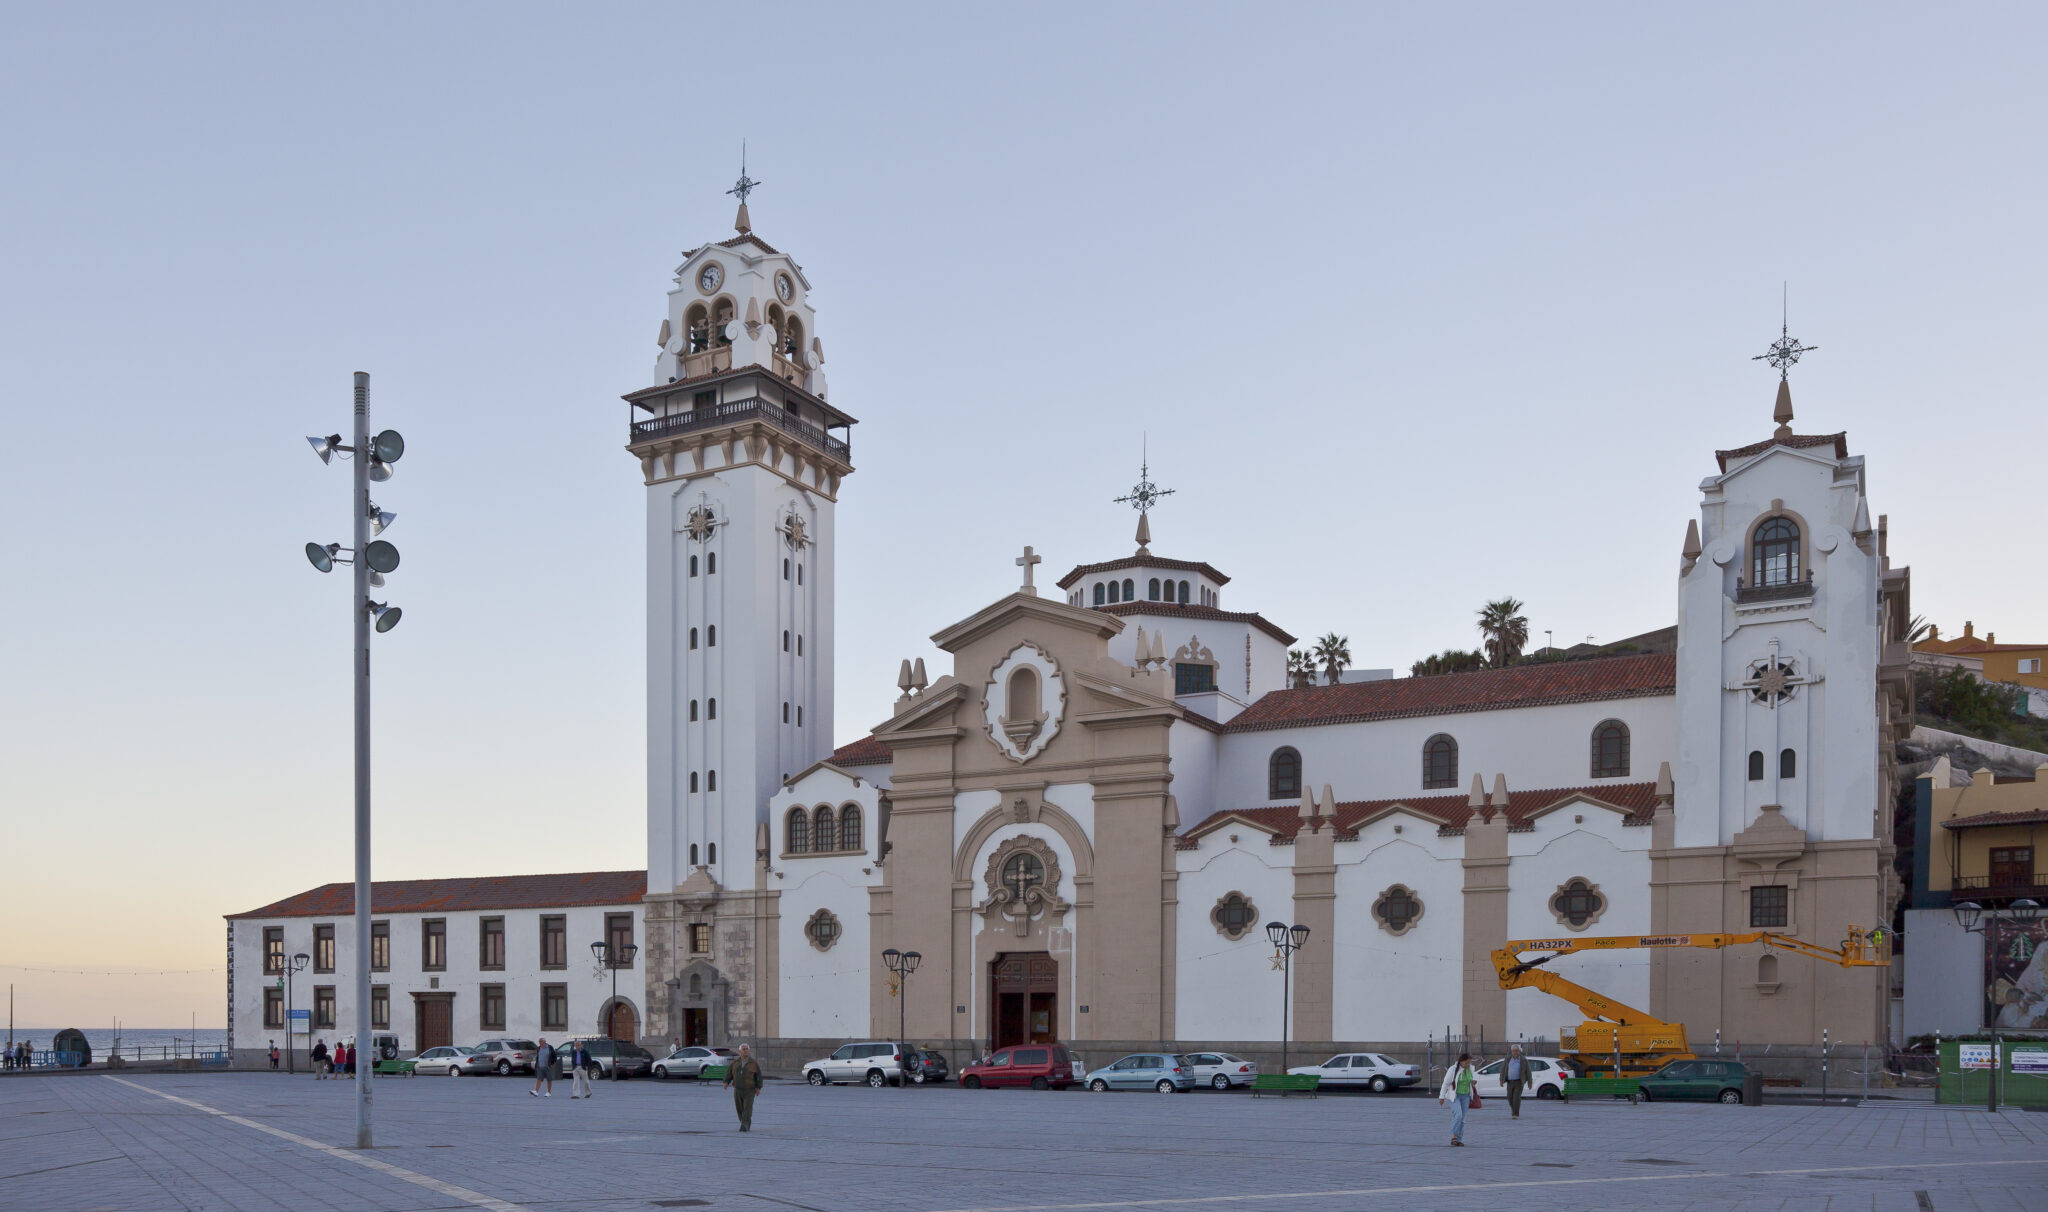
(1631, 1042)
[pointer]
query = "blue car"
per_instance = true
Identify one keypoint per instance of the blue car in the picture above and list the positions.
(1161, 1071)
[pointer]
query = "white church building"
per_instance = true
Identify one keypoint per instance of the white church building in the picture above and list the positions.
(1084, 823)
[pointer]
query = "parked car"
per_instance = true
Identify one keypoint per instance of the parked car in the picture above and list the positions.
(1163, 1072)
(927, 1065)
(509, 1055)
(1372, 1071)
(615, 1059)
(437, 1061)
(384, 1045)
(873, 1064)
(691, 1061)
(477, 1064)
(1220, 1069)
(1546, 1078)
(1700, 1080)
(1039, 1066)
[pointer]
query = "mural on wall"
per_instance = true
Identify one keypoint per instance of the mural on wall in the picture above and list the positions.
(2016, 975)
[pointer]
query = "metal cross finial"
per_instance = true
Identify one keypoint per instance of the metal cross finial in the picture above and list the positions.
(1145, 494)
(745, 185)
(1785, 351)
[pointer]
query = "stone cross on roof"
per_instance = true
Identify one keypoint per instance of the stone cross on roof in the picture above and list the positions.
(1028, 562)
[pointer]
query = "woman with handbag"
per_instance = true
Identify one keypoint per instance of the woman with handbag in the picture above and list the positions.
(1459, 1090)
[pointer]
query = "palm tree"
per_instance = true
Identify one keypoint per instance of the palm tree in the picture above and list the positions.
(1506, 631)
(1917, 629)
(1333, 653)
(1301, 669)
(1450, 660)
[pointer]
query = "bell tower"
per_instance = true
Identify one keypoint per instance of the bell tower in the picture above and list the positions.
(742, 458)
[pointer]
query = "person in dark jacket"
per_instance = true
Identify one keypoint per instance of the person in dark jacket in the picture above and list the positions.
(1514, 1074)
(319, 1058)
(743, 1078)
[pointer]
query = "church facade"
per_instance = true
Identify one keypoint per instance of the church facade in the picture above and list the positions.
(1084, 824)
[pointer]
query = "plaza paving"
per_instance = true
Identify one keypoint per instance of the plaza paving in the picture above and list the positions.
(259, 1142)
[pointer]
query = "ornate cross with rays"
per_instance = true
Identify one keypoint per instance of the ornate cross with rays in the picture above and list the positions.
(1771, 681)
(745, 185)
(1145, 494)
(1784, 352)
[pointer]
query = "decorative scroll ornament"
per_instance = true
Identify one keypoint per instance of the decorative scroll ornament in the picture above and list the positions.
(1023, 880)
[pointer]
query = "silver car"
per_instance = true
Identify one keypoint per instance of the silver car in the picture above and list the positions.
(691, 1061)
(1220, 1070)
(872, 1064)
(436, 1061)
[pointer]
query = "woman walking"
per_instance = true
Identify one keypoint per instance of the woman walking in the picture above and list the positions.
(1458, 1092)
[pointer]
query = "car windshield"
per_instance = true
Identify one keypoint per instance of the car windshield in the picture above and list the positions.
(465, 1049)
(524, 1045)
(1493, 1068)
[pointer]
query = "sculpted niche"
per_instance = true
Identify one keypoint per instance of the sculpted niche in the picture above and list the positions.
(1023, 881)
(1023, 702)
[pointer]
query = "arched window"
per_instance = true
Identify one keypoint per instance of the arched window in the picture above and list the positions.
(1767, 969)
(711, 780)
(710, 563)
(693, 711)
(798, 840)
(693, 854)
(850, 829)
(693, 639)
(785, 570)
(822, 833)
(799, 645)
(693, 782)
(1756, 765)
(785, 711)
(1610, 750)
(1152, 590)
(1788, 765)
(1129, 590)
(1577, 904)
(693, 565)
(1115, 594)
(711, 852)
(1022, 701)
(697, 323)
(799, 715)
(1283, 774)
(1440, 761)
(710, 709)
(1100, 590)
(1776, 548)
(799, 574)
(785, 641)
(793, 341)
(1183, 593)
(711, 636)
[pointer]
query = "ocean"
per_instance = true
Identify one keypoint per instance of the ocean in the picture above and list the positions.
(152, 1041)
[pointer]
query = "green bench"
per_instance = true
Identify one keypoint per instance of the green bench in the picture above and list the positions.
(1286, 1083)
(393, 1067)
(1629, 1088)
(713, 1073)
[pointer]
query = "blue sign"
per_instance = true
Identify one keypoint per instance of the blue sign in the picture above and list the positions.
(295, 1015)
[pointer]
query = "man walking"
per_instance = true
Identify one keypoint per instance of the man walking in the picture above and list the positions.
(743, 1078)
(543, 1070)
(1514, 1075)
(319, 1058)
(580, 1063)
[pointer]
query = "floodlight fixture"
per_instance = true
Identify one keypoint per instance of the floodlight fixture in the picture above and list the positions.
(325, 447)
(321, 556)
(381, 556)
(387, 616)
(388, 446)
(380, 518)
(376, 580)
(380, 471)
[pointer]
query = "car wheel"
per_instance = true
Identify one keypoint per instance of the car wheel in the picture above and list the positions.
(1039, 1083)
(918, 1077)
(454, 1072)
(971, 1082)
(1099, 1086)
(1164, 1086)
(1379, 1085)
(1731, 1097)
(504, 1069)
(877, 1079)
(1645, 1093)
(815, 1077)
(1548, 1092)
(1220, 1082)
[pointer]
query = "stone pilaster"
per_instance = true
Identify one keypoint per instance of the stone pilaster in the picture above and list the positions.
(1486, 909)
(1315, 906)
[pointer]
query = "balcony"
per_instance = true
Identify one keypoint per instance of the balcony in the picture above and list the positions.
(1981, 888)
(1793, 592)
(739, 412)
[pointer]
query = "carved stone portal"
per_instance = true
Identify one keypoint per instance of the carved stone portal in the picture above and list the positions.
(1023, 880)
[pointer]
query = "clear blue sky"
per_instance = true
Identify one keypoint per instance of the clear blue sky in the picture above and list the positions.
(1418, 306)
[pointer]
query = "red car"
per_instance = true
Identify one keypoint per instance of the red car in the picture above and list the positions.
(1039, 1066)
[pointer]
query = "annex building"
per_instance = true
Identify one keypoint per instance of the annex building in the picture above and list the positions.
(1084, 823)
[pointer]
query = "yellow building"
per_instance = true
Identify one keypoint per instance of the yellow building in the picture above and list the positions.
(2017, 663)
(1983, 844)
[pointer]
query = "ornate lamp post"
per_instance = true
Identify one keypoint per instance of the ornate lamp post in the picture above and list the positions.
(613, 957)
(293, 967)
(1976, 919)
(1286, 941)
(901, 964)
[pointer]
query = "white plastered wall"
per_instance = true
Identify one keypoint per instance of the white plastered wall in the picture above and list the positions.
(1225, 989)
(1584, 842)
(824, 994)
(1406, 986)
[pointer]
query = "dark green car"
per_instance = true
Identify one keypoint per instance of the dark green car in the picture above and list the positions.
(1699, 1080)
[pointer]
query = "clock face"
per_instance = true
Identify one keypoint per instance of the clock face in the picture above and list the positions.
(710, 276)
(785, 287)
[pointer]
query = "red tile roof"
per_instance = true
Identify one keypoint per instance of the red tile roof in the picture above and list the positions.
(1452, 811)
(1199, 612)
(1618, 677)
(1984, 820)
(1798, 441)
(459, 895)
(1144, 561)
(867, 751)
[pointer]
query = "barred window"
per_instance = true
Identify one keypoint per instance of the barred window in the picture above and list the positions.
(1777, 553)
(799, 839)
(821, 830)
(850, 829)
(1283, 774)
(1610, 750)
(1770, 906)
(1440, 761)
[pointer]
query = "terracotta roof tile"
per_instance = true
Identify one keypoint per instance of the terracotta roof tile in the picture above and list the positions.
(1144, 561)
(1452, 810)
(867, 751)
(460, 895)
(1618, 677)
(1798, 441)
(1199, 612)
(1985, 820)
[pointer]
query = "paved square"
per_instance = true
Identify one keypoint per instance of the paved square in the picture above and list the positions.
(269, 1143)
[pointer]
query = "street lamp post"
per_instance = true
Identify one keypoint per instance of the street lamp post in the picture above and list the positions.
(1286, 941)
(613, 957)
(1977, 919)
(370, 559)
(292, 968)
(901, 964)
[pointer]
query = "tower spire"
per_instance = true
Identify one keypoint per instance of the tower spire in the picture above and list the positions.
(1783, 355)
(741, 188)
(1142, 497)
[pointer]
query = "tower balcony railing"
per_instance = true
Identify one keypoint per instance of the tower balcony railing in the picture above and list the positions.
(735, 412)
(1789, 591)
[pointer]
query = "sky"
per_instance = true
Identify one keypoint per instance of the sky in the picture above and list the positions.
(1411, 306)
